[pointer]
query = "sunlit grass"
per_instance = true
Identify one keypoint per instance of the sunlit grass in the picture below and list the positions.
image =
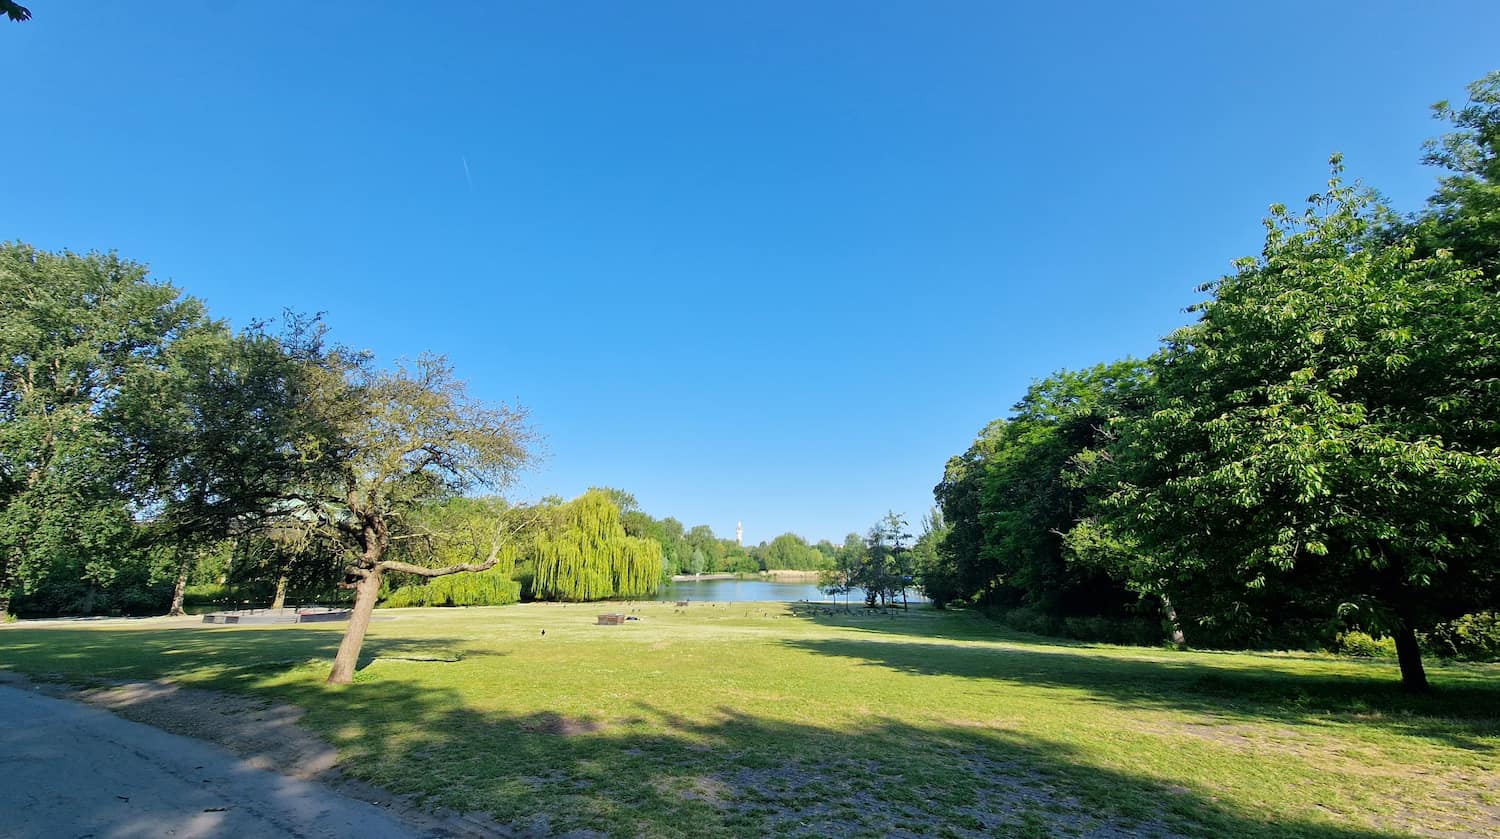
(755, 719)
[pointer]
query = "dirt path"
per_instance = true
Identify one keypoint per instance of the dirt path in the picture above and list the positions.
(77, 771)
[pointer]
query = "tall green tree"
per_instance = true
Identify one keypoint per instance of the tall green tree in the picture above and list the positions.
(701, 540)
(958, 574)
(1465, 210)
(1009, 502)
(1326, 438)
(76, 330)
(218, 438)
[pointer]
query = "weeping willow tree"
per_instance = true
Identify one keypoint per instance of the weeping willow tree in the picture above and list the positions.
(589, 557)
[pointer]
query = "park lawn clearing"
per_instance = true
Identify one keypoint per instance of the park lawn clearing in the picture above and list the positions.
(771, 718)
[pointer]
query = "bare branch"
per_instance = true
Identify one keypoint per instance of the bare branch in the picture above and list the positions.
(420, 571)
(497, 541)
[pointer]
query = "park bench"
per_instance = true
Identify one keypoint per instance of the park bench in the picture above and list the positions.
(611, 619)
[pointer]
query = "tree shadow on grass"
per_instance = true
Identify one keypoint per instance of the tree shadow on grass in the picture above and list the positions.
(1463, 713)
(920, 620)
(206, 655)
(644, 770)
(639, 769)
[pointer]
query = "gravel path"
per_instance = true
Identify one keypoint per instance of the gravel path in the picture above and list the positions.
(76, 771)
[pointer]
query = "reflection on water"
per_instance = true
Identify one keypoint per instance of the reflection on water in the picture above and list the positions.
(733, 591)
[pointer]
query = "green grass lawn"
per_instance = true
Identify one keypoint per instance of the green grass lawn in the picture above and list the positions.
(755, 719)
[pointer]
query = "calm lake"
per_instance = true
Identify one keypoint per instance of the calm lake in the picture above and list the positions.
(732, 591)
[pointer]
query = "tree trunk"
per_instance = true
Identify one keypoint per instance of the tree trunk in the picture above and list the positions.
(365, 594)
(280, 600)
(179, 588)
(1179, 640)
(5, 577)
(1413, 676)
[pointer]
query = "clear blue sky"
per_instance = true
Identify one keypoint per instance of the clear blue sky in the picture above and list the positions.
(769, 261)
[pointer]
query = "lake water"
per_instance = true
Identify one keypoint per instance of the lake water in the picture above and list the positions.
(736, 591)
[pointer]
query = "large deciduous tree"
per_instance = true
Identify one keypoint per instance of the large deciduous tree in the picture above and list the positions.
(75, 331)
(1010, 501)
(1326, 438)
(218, 435)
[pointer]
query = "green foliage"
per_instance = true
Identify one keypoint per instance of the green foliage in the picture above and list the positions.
(884, 567)
(848, 559)
(701, 540)
(1324, 440)
(224, 429)
(790, 552)
(1465, 211)
(488, 588)
(457, 531)
(590, 557)
(207, 594)
(1136, 630)
(76, 333)
(1364, 645)
(1473, 637)
(1009, 503)
(1320, 449)
(667, 533)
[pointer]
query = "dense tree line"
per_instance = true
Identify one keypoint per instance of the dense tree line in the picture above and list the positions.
(1319, 450)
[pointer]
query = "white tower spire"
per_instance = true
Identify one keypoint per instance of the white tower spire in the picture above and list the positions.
(739, 533)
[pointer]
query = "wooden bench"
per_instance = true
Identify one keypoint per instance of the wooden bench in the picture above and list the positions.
(682, 603)
(611, 619)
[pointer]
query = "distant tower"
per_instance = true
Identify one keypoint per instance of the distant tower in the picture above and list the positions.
(739, 533)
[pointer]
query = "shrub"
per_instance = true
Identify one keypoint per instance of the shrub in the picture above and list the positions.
(483, 589)
(745, 565)
(204, 595)
(1473, 637)
(1364, 645)
(1094, 629)
(1025, 619)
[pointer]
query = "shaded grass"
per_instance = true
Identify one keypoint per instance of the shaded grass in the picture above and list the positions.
(757, 719)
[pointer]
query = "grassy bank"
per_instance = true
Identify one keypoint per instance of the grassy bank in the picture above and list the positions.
(754, 719)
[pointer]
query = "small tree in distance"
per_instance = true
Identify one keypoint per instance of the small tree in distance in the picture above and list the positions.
(887, 566)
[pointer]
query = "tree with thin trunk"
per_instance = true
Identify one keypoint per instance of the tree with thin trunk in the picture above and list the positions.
(399, 437)
(184, 557)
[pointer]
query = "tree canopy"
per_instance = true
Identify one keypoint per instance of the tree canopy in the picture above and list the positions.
(1319, 449)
